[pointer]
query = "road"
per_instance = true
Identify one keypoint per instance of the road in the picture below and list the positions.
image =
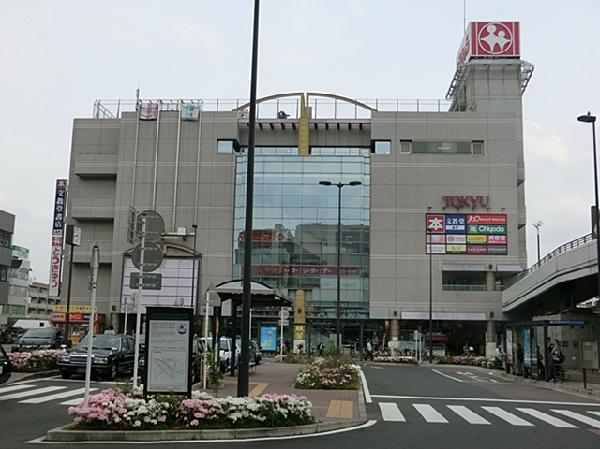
(414, 407)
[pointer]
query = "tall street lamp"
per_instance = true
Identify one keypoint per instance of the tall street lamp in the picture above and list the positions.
(537, 225)
(429, 247)
(194, 279)
(339, 185)
(589, 118)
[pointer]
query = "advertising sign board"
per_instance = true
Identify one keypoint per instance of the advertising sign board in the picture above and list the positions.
(168, 350)
(490, 40)
(268, 338)
(58, 222)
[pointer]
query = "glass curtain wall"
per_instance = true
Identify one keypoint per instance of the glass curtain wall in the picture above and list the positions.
(295, 226)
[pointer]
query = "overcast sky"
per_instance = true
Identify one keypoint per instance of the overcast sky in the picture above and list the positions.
(56, 58)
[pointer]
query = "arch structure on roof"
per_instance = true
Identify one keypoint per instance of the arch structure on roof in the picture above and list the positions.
(305, 98)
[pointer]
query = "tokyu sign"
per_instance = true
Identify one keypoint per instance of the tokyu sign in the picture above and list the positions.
(490, 40)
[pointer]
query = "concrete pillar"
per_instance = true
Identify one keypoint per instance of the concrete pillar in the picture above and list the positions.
(490, 339)
(490, 281)
(115, 321)
(394, 343)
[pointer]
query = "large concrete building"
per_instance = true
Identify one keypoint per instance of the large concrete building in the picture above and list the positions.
(7, 229)
(439, 213)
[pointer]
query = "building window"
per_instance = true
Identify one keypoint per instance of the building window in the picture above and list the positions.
(227, 146)
(5, 239)
(477, 147)
(381, 146)
(3, 273)
(471, 281)
(443, 147)
(406, 146)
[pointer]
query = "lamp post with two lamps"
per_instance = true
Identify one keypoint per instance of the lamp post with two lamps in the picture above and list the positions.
(589, 118)
(339, 185)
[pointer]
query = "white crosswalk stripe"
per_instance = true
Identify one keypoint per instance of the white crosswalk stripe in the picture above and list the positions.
(468, 415)
(391, 412)
(15, 388)
(34, 392)
(430, 414)
(75, 401)
(556, 422)
(579, 417)
(64, 394)
(510, 418)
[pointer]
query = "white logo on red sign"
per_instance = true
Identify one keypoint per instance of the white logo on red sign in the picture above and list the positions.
(435, 223)
(495, 38)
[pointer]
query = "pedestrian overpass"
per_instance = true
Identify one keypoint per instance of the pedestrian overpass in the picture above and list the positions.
(561, 280)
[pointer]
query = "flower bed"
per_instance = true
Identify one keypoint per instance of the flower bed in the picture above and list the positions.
(118, 410)
(485, 362)
(331, 373)
(31, 362)
(395, 359)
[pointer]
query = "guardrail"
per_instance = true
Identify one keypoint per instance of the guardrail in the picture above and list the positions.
(561, 249)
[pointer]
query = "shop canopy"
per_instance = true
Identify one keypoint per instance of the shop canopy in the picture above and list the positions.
(261, 294)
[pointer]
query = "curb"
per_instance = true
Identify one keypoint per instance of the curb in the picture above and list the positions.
(362, 407)
(37, 375)
(552, 385)
(65, 434)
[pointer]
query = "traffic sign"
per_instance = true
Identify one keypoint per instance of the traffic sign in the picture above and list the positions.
(152, 281)
(155, 225)
(285, 323)
(152, 256)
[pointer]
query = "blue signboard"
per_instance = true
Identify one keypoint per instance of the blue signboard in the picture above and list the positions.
(566, 323)
(268, 338)
(455, 223)
(527, 352)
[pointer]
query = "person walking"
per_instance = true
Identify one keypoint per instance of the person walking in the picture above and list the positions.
(369, 350)
(540, 362)
(520, 359)
(321, 349)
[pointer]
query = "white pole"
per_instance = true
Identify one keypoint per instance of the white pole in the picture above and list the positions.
(88, 366)
(138, 313)
(281, 336)
(126, 307)
(205, 352)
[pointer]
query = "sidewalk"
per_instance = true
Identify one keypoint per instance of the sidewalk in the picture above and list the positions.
(278, 378)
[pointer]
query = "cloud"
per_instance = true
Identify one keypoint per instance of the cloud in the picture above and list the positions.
(543, 143)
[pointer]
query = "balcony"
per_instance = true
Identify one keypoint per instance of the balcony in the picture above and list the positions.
(96, 166)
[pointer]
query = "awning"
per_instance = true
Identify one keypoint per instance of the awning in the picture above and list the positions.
(261, 294)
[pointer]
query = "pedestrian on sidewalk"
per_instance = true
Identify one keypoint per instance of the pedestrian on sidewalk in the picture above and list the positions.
(540, 362)
(520, 359)
(369, 350)
(321, 348)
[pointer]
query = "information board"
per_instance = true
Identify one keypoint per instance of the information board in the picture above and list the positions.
(268, 338)
(466, 234)
(168, 350)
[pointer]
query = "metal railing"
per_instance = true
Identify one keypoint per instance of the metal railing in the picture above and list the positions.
(561, 249)
(322, 108)
(464, 287)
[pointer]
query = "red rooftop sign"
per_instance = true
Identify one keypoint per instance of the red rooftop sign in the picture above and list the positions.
(490, 40)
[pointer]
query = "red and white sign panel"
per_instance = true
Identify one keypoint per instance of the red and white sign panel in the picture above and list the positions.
(435, 223)
(490, 40)
(436, 239)
(486, 219)
(496, 240)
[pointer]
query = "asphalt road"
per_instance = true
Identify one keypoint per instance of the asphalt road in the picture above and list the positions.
(414, 407)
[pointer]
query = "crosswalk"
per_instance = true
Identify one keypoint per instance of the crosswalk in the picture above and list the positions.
(30, 393)
(488, 415)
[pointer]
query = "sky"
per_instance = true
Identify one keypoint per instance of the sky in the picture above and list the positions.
(57, 58)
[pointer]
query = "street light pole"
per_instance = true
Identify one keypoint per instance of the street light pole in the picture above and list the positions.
(244, 363)
(339, 185)
(195, 227)
(589, 118)
(537, 225)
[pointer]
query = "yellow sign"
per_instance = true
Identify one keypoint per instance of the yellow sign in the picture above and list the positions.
(300, 307)
(456, 248)
(62, 308)
(299, 333)
(477, 239)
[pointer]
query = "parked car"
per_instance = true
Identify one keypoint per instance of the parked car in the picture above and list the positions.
(111, 355)
(39, 338)
(5, 366)
(255, 352)
(225, 352)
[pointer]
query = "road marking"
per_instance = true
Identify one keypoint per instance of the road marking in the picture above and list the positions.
(365, 386)
(64, 394)
(595, 413)
(377, 367)
(391, 412)
(339, 409)
(446, 375)
(75, 401)
(579, 417)
(468, 415)
(547, 418)
(429, 413)
(24, 394)
(258, 390)
(524, 401)
(493, 380)
(15, 387)
(508, 417)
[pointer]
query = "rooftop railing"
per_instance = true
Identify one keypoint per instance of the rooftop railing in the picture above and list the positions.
(322, 108)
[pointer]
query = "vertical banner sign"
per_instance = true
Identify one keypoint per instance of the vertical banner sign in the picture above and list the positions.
(527, 348)
(58, 224)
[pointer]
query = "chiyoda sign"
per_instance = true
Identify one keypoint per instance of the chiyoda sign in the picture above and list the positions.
(490, 40)
(58, 224)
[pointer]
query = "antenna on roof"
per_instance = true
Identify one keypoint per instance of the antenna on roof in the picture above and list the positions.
(137, 95)
(464, 15)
